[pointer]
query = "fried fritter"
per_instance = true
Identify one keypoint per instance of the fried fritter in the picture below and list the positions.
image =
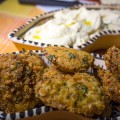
(111, 84)
(68, 59)
(34, 62)
(79, 93)
(51, 72)
(17, 80)
(112, 60)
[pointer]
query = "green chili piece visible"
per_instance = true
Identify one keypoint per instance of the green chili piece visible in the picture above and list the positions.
(72, 56)
(51, 57)
(84, 89)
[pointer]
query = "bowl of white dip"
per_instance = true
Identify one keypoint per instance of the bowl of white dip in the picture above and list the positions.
(76, 27)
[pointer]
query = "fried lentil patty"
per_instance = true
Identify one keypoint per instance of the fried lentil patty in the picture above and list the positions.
(80, 93)
(112, 60)
(111, 84)
(68, 59)
(18, 76)
(51, 72)
(34, 62)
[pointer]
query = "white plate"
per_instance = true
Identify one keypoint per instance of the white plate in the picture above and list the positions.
(105, 36)
(44, 109)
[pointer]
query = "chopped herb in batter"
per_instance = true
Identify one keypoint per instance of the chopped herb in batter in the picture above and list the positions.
(82, 91)
(85, 60)
(82, 88)
(72, 56)
(51, 57)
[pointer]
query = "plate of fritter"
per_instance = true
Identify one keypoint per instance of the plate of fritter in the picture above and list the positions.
(58, 79)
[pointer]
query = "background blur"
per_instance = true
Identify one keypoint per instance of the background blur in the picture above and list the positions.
(13, 14)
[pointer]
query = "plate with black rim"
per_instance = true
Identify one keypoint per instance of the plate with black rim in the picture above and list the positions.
(102, 40)
(39, 110)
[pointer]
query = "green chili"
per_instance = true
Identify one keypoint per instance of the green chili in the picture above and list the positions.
(84, 89)
(72, 56)
(51, 57)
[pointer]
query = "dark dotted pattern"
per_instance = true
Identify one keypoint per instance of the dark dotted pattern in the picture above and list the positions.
(42, 44)
(80, 47)
(30, 41)
(38, 111)
(24, 40)
(109, 31)
(18, 38)
(30, 112)
(22, 114)
(47, 109)
(71, 46)
(12, 34)
(3, 116)
(13, 116)
(36, 43)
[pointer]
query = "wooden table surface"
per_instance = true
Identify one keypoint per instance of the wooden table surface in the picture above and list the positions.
(13, 15)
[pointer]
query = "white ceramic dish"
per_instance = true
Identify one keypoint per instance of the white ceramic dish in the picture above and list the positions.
(101, 39)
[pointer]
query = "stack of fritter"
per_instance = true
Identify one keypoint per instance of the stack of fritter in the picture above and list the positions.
(18, 76)
(64, 87)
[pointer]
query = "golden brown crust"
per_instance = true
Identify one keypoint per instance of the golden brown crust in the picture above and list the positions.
(18, 76)
(112, 60)
(34, 62)
(51, 72)
(68, 59)
(111, 84)
(79, 93)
